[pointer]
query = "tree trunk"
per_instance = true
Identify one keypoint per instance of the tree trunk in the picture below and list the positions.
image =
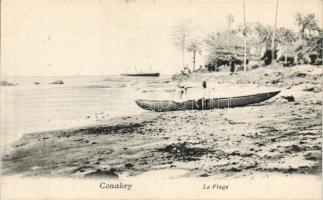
(245, 37)
(194, 55)
(183, 54)
(274, 32)
(245, 54)
(286, 55)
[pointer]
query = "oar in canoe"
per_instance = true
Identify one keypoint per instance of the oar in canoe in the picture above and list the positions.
(205, 104)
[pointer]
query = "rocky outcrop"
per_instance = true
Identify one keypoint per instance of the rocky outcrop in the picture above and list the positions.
(58, 82)
(6, 83)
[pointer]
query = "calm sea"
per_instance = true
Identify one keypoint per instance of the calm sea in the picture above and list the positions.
(88, 100)
(81, 100)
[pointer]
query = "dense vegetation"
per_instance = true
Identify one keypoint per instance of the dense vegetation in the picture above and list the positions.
(303, 46)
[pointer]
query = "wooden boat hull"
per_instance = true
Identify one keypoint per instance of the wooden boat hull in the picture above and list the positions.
(142, 74)
(204, 104)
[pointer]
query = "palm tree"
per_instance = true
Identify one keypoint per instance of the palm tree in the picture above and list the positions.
(274, 31)
(263, 35)
(230, 21)
(299, 23)
(286, 37)
(181, 35)
(310, 34)
(245, 37)
(194, 46)
(307, 23)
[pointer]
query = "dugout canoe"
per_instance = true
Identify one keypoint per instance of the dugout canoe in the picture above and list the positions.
(205, 104)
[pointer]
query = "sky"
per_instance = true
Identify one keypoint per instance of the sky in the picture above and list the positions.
(102, 37)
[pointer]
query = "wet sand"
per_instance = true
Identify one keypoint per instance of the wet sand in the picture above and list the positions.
(281, 135)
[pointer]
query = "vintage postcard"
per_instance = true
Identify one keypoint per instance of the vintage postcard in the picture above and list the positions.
(161, 99)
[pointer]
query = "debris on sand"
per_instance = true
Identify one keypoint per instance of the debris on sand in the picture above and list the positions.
(128, 165)
(298, 74)
(273, 137)
(184, 152)
(102, 174)
(314, 89)
(289, 98)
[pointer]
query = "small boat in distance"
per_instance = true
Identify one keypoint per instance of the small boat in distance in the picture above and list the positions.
(142, 74)
(150, 74)
(205, 104)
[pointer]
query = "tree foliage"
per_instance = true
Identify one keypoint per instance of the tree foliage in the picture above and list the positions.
(306, 43)
(181, 34)
(194, 46)
(309, 47)
(224, 45)
(307, 24)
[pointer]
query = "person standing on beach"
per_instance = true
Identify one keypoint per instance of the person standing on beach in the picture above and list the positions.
(204, 89)
(232, 65)
(179, 92)
(205, 94)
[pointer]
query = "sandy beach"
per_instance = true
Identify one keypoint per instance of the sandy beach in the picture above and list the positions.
(281, 135)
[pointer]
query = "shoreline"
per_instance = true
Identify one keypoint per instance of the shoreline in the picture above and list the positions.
(275, 136)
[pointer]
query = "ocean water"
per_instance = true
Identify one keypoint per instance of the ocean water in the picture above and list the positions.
(89, 100)
(81, 100)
